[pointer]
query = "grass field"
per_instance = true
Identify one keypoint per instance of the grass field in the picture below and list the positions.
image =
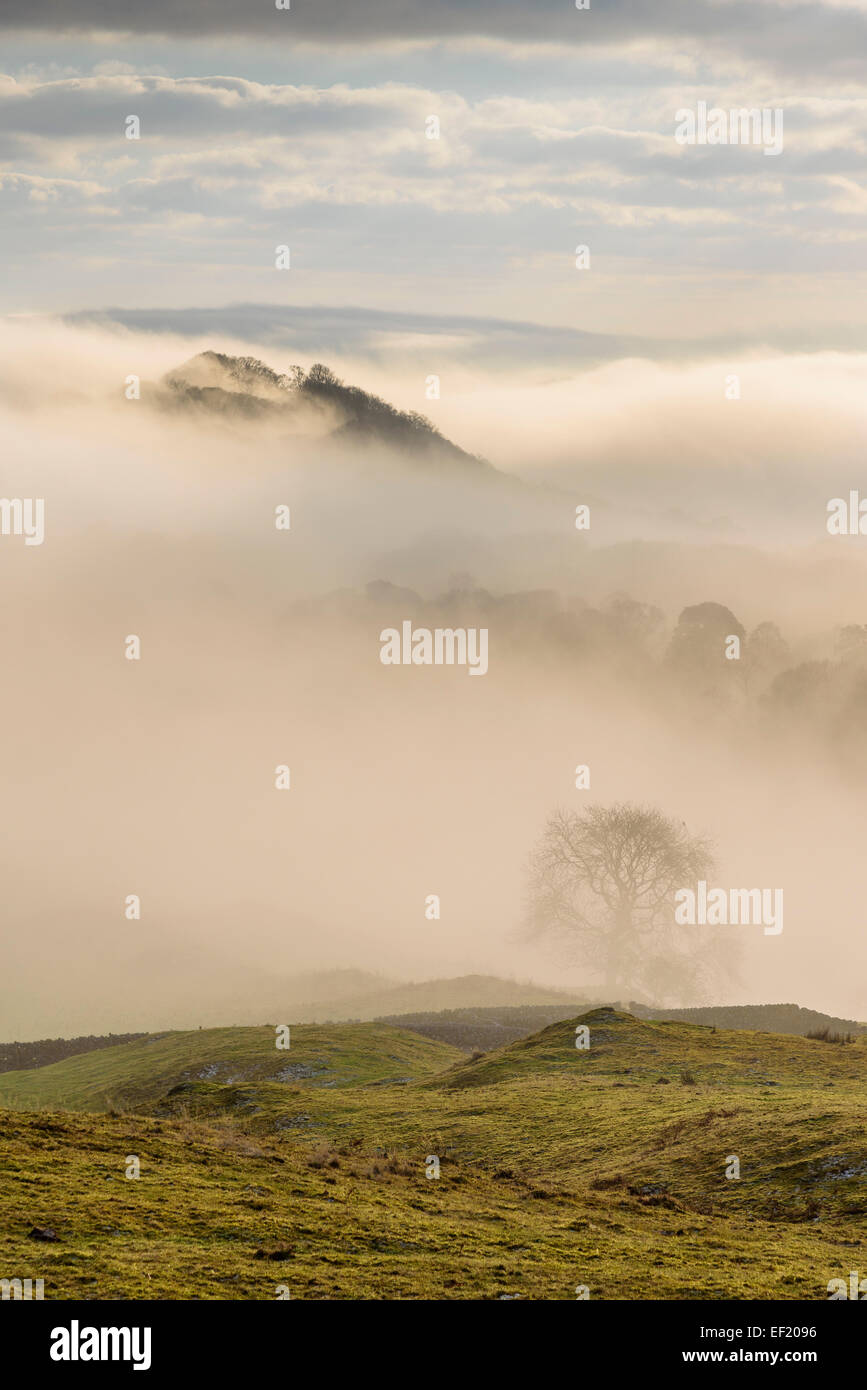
(559, 1167)
(139, 1073)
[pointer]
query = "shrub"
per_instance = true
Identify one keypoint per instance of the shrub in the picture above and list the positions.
(826, 1035)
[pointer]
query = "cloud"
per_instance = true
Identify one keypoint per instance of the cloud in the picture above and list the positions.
(798, 35)
(319, 329)
(164, 527)
(311, 331)
(484, 220)
(244, 154)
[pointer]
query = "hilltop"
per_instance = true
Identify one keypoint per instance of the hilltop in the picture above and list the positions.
(315, 403)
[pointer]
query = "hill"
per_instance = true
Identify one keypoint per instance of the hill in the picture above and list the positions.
(768, 1018)
(314, 403)
(609, 1167)
(139, 1073)
(484, 1028)
(463, 991)
(474, 1029)
(360, 996)
(18, 1056)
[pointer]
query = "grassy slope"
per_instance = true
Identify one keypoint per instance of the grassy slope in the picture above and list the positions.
(138, 1073)
(559, 1167)
(485, 1027)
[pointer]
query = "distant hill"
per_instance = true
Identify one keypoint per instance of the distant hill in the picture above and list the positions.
(16, 1056)
(469, 1012)
(484, 1028)
(473, 992)
(361, 996)
(767, 1018)
(315, 996)
(313, 403)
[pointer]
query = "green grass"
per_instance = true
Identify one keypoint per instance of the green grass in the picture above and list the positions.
(558, 1167)
(138, 1073)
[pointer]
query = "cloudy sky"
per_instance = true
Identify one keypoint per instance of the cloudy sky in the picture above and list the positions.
(307, 127)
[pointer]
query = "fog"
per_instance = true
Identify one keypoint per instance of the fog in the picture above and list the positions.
(261, 647)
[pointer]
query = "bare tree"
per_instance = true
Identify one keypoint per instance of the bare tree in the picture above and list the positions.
(602, 884)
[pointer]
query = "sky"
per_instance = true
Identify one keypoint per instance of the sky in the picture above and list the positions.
(307, 127)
